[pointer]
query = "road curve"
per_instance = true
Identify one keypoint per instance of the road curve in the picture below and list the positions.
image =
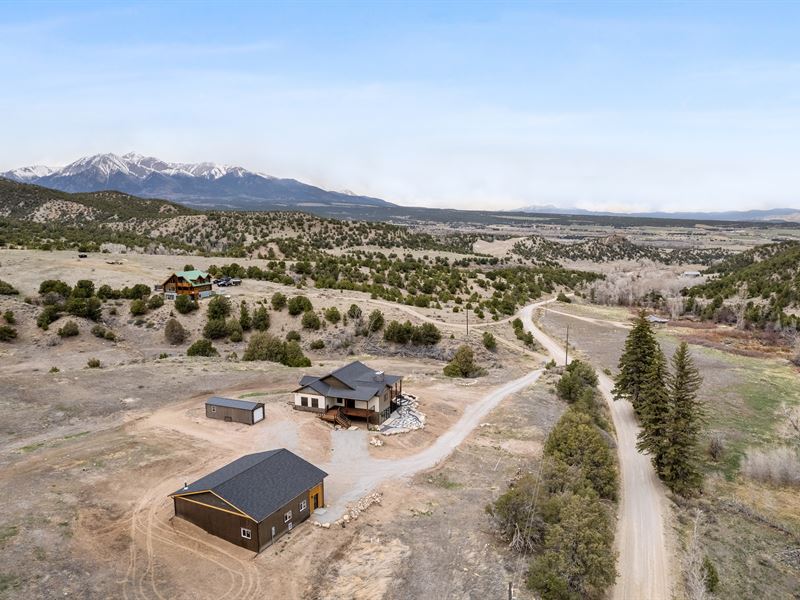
(644, 565)
(365, 473)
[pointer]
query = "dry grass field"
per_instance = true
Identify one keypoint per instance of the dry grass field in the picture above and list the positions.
(90, 455)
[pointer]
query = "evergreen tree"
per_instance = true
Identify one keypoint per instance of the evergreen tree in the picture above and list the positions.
(244, 317)
(655, 410)
(640, 350)
(576, 562)
(680, 470)
(261, 319)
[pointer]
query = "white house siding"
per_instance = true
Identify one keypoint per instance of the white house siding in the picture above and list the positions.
(298, 401)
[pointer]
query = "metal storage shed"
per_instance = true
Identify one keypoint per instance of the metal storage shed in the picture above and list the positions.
(237, 411)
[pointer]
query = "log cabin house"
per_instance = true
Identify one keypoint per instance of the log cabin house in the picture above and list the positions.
(190, 283)
(255, 499)
(353, 391)
(235, 411)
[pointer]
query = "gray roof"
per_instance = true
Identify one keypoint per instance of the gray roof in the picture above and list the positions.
(261, 483)
(232, 403)
(362, 382)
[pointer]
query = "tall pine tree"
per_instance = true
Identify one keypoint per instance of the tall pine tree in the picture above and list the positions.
(655, 408)
(636, 360)
(681, 456)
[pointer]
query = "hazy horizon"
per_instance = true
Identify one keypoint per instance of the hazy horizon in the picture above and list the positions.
(618, 107)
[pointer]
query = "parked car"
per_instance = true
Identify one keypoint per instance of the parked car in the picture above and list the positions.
(235, 281)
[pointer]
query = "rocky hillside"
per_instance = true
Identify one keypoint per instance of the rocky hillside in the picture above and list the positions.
(767, 278)
(611, 248)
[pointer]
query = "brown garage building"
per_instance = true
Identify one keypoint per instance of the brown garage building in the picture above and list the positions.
(255, 499)
(237, 411)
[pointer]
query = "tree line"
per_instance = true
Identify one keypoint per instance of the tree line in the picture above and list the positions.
(563, 514)
(664, 399)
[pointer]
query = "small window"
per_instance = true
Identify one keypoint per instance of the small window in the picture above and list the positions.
(247, 534)
(304, 401)
(303, 505)
(287, 517)
(314, 403)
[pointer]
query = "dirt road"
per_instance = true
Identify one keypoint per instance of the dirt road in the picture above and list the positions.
(641, 540)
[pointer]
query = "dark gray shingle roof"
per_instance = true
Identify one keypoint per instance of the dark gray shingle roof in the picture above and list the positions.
(259, 484)
(362, 382)
(232, 403)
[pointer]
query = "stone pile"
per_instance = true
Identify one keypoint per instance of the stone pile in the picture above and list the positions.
(373, 441)
(353, 511)
(406, 418)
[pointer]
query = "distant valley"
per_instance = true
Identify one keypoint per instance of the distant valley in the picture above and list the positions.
(772, 214)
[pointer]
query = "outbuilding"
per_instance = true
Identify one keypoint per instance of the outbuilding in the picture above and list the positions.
(255, 499)
(236, 411)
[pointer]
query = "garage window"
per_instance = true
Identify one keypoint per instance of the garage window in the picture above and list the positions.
(247, 534)
(303, 505)
(287, 517)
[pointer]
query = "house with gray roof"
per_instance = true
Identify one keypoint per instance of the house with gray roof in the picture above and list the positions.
(353, 391)
(255, 499)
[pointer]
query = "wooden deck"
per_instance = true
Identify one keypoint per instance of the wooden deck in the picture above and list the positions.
(361, 413)
(341, 415)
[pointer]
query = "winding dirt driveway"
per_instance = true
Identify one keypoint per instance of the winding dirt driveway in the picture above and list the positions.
(358, 473)
(644, 563)
(644, 571)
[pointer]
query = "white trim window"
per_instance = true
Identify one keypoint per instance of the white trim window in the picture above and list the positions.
(247, 534)
(287, 517)
(303, 505)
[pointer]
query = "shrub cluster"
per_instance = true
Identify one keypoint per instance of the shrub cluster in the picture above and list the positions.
(103, 333)
(426, 334)
(463, 364)
(6, 289)
(185, 304)
(264, 346)
(565, 515)
(175, 332)
(489, 342)
(520, 333)
(297, 305)
(69, 329)
(202, 347)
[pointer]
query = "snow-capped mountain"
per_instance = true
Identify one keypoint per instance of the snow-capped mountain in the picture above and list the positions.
(26, 174)
(199, 184)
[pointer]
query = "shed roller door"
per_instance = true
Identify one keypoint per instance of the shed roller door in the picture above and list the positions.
(258, 415)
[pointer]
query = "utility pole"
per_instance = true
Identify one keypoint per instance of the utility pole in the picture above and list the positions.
(467, 322)
(510, 591)
(566, 348)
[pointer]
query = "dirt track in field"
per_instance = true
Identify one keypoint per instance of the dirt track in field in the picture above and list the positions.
(644, 563)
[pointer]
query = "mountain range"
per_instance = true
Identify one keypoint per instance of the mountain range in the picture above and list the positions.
(207, 185)
(772, 214)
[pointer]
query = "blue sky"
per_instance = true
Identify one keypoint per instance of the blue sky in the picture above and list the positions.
(617, 106)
